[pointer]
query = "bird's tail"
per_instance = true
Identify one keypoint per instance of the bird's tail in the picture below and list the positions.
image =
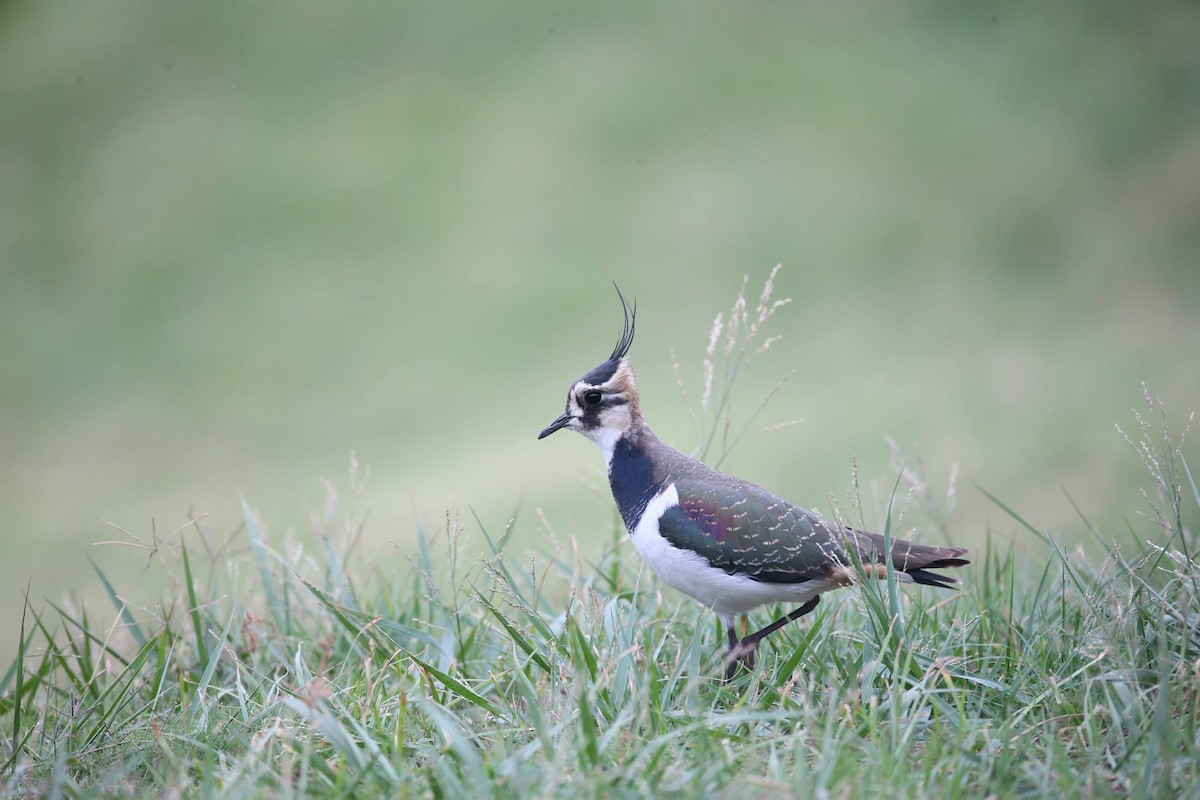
(916, 561)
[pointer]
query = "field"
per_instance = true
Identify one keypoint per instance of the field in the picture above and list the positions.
(242, 246)
(276, 673)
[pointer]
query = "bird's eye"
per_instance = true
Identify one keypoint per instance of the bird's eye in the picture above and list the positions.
(592, 398)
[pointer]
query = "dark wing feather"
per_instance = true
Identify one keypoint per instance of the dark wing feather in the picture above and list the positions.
(744, 529)
(752, 533)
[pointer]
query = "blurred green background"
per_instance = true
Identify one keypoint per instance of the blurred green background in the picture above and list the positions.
(240, 240)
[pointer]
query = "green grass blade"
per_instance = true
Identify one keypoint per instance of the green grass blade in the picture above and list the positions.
(462, 745)
(319, 716)
(533, 705)
(1062, 556)
(459, 688)
(582, 647)
(259, 547)
(122, 607)
(17, 666)
(893, 588)
(497, 563)
(114, 697)
(55, 653)
(193, 606)
(518, 638)
(89, 636)
(588, 727)
(337, 576)
(337, 611)
(18, 669)
(197, 706)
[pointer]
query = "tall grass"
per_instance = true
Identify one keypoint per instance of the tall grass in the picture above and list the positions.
(317, 669)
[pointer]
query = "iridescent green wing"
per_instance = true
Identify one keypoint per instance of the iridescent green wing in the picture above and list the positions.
(743, 529)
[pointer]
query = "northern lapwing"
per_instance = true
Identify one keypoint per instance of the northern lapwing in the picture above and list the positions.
(726, 542)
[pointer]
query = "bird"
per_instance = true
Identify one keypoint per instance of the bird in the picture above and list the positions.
(725, 542)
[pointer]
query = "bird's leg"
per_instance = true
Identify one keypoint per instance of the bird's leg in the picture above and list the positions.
(732, 654)
(779, 623)
(741, 653)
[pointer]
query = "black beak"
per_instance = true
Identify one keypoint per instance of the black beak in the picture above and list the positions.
(561, 422)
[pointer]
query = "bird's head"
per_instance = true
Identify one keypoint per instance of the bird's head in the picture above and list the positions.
(603, 404)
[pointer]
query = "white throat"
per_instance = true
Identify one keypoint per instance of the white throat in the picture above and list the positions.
(606, 439)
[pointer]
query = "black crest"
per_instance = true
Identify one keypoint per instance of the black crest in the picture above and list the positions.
(626, 339)
(602, 373)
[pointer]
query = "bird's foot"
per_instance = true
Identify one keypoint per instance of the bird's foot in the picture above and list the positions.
(740, 656)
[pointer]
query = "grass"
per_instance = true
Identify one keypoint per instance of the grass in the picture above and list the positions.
(231, 236)
(311, 670)
(315, 671)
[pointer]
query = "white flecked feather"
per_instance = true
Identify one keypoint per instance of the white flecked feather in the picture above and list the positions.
(691, 573)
